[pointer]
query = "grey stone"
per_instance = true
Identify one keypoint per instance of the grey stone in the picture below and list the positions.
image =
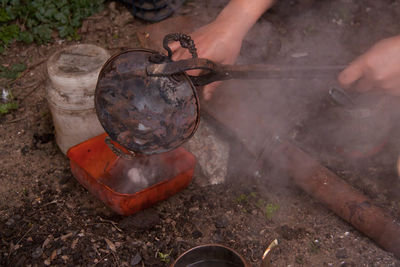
(136, 259)
(123, 19)
(37, 253)
(341, 253)
(211, 152)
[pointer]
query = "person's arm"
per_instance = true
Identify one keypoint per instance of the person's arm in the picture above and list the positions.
(378, 68)
(221, 40)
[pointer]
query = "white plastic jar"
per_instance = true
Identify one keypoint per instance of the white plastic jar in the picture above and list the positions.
(73, 74)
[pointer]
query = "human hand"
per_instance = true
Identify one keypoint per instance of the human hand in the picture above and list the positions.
(220, 41)
(214, 42)
(378, 68)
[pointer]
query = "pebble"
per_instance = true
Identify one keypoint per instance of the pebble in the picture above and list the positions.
(123, 19)
(10, 222)
(37, 253)
(299, 54)
(212, 153)
(136, 259)
(193, 209)
(197, 234)
(221, 222)
(143, 220)
(341, 253)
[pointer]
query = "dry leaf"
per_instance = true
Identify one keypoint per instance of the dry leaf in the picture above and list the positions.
(110, 245)
(64, 237)
(74, 243)
(53, 255)
(47, 241)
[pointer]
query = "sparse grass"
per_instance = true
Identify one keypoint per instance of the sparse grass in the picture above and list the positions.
(270, 210)
(12, 72)
(309, 30)
(315, 246)
(7, 102)
(242, 198)
(299, 260)
(251, 201)
(7, 107)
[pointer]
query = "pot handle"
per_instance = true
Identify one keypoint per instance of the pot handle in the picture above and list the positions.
(174, 67)
(184, 40)
(117, 151)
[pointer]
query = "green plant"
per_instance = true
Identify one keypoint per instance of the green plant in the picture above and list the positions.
(164, 257)
(299, 260)
(36, 20)
(309, 30)
(253, 194)
(270, 209)
(7, 102)
(260, 203)
(7, 107)
(315, 246)
(242, 198)
(12, 72)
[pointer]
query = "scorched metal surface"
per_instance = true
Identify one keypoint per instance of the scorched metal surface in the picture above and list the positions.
(147, 103)
(146, 115)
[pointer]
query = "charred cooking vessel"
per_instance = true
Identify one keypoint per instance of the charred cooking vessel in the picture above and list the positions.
(148, 104)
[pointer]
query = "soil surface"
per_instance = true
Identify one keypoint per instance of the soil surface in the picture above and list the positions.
(48, 219)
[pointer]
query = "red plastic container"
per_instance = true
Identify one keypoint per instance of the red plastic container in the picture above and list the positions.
(95, 166)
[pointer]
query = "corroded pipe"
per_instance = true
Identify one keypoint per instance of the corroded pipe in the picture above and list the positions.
(340, 197)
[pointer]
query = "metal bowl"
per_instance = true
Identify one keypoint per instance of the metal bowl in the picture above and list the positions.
(211, 255)
(146, 115)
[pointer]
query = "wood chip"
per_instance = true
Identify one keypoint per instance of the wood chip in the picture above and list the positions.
(65, 237)
(110, 245)
(47, 241)
(74, 243)
(53, 255)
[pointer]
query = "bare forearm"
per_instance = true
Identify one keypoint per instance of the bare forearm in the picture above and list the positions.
(241, 15)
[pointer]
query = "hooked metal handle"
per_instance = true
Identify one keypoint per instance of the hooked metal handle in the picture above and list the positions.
(218, 72)
(184, 40)
(118, 151)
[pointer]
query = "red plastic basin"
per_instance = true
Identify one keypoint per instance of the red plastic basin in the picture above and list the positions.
(93, 160)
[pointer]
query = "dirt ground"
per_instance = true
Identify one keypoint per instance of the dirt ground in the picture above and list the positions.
(48, 219)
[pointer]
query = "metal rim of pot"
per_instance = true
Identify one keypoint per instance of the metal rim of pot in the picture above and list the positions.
(111, 119)
(166, 112)
(183, 257)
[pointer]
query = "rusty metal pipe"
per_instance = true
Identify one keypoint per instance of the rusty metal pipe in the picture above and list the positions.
(340, 197)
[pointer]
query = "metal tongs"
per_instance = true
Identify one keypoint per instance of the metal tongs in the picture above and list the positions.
(217, 72)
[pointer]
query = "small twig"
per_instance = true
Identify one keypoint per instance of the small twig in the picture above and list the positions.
(266, 258)
(16, 120)
(101, 259)
(30, 68)
(28, 86)
(30, 229)
(53, 202)
(113, 223)
(30, 92)
(11, 248)
(116, 259)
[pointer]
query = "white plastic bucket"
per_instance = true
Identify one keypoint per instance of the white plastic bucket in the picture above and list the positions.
(73, 74)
